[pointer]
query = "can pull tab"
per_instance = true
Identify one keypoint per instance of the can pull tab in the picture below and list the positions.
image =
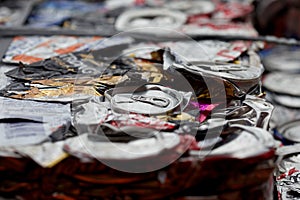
(157, 101)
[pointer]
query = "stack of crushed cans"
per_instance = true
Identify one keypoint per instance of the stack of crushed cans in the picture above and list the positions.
(144, 114)
(281, 84)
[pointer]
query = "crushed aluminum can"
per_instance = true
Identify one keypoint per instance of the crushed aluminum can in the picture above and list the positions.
(245, 141)
(149, 99)
(227, 70)
(132, 20)
(32, 49)
(205, 50)
(282, 83)
(285, 100)
(283, 60)
(252, 111)
(282, 115)
(288, 172)
(100, 117)
(241, 78)
(290, 132)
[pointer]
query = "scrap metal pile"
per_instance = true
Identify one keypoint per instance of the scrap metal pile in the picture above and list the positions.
(281, 84)
(148, 113)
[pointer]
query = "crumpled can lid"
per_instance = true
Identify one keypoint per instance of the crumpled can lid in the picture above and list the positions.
(290, 131)
(283, 83)
(283, 60)
(161, 18)
(150, 99)
(227, 70)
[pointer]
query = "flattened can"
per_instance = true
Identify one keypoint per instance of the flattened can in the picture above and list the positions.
(283, 60)
(283, 83)
(290, 132)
